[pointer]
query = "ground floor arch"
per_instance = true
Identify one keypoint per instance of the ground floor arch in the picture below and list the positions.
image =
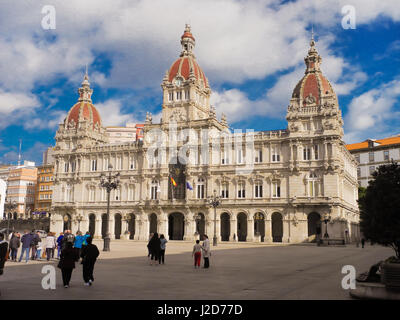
(200, 224)
(259, 225)
(277, 227)
(92, 224)
(67, 221)
(242, 226)
(313, 225)
(104, 225)
(153, 223)
(225, 226)
(176, 226)
(132, 226)
(117, 226)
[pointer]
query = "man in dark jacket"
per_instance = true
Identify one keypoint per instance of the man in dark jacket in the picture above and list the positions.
(89, 255)
(15, 243)
(3, 252)
(26, 245)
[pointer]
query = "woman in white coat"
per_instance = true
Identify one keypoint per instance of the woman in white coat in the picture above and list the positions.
(206, 251)
(50, 244)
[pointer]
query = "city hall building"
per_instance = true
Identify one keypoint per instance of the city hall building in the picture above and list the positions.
(274, 186)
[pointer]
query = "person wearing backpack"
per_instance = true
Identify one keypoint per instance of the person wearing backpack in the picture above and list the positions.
(34, 244)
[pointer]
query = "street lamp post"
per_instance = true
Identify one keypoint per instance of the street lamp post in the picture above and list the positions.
(9, 206)
(327, 218)
(110, 183)
(215, 201)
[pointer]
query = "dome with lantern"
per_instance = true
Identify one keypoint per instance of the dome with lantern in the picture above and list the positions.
(83, 110)
(186, 66)
(313, 88)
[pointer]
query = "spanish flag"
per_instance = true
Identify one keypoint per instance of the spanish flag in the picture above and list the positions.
(173, 182)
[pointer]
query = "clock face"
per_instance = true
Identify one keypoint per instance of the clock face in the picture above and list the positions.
(178, 82)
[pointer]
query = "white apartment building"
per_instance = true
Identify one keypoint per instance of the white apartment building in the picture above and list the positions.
(371, 153)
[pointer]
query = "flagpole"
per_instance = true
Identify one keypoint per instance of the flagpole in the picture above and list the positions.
(172, 187)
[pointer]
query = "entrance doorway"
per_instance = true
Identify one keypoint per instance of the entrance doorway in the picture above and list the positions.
(314, 225)
(201, 225)
(259, 225)
(176, 226)
(225, 227)
(153, 223)
(131, 226)
(92, 224)
(117, 226)
(242, 226)
(67, 222)
(104, 223)
(277, 227)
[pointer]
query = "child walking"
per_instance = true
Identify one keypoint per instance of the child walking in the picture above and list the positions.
(197, 254)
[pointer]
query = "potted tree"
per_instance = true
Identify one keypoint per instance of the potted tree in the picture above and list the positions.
(380, 218)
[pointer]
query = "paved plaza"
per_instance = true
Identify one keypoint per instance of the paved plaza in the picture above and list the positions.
(237, 271)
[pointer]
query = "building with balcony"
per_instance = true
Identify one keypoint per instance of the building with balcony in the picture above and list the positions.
(21, 187)
(44, 190)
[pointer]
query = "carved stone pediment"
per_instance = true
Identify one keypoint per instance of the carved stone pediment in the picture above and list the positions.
(223, 179)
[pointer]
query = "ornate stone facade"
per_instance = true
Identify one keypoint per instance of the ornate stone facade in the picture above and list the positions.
(276, 190)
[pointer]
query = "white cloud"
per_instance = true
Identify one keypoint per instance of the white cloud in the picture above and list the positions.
(112, 115)
(236, 41)
(13, 101)
(370, 113)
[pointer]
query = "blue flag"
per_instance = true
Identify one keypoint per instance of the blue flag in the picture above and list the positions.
(188, 186)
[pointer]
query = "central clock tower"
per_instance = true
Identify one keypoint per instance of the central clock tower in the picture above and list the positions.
(186, 92)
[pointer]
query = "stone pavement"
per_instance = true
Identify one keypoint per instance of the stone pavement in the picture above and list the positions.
(237, 271)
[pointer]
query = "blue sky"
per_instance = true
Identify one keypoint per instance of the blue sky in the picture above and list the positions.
(251, 51)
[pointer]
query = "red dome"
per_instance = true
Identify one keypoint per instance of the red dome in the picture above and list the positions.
(83, 111)
(315, 84)
(182, 67)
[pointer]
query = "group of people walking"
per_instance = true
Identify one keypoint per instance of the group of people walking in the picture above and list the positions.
(71, 248)
(36, 247)
(157, 245)
(156, 248)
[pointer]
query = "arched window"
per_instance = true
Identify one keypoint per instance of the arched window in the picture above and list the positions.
(314, 186)
(154, 189)
(200, 188)
(224, 190)
(241, 190)
(258, 189)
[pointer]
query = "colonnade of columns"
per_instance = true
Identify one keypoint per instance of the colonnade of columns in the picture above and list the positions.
(228, 227)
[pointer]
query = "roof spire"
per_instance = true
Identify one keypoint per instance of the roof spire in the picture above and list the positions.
(313, 59)
(187, 41)
(85, 92)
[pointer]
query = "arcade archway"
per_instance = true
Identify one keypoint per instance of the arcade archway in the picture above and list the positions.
(277, 227)
(225, 227)
(117, 226)
(242, 226)
(176, 224)
(314, 225)
(92, 224)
